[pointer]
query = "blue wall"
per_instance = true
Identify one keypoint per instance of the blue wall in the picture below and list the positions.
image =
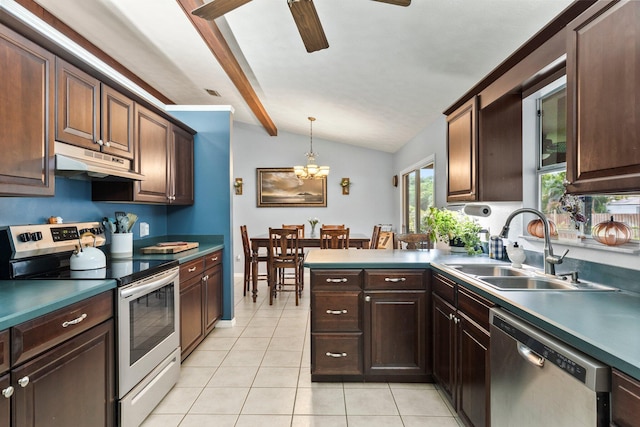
(73, 203)
(212, 211)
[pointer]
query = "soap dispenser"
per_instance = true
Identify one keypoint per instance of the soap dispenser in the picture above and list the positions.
(516, 255)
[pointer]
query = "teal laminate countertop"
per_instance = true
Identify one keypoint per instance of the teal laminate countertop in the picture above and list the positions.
(604, 325)
(22, 300)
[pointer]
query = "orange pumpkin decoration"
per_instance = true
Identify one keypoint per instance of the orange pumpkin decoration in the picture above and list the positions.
(611, 233)
(536, 228)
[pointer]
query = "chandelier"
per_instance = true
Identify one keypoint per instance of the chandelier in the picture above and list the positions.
(311, 170)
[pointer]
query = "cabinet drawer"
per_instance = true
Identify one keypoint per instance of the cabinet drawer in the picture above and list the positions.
(4, 350)
(212, 259)
(444, 288)
(337, 311)
(31, 338)
(625, 399)
(394, 279)
(474, 306)
(336, 354)
(191, 269)
(336, 279)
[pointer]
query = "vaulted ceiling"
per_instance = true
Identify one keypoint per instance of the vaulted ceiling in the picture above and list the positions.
(388, 72)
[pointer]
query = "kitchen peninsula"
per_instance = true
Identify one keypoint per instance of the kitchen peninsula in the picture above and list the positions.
(588, 321)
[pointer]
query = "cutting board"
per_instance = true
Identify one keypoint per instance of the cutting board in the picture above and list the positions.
(169, 247)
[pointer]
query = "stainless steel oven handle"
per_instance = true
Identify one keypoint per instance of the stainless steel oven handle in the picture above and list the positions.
(141, 290)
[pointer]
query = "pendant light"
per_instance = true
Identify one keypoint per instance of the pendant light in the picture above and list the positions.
(311, 170)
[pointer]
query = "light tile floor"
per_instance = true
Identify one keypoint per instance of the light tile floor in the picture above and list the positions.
(257, 373)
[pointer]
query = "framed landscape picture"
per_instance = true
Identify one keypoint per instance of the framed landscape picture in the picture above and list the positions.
(280, 187)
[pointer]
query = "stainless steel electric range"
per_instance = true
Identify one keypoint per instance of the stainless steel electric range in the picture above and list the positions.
(147, 305)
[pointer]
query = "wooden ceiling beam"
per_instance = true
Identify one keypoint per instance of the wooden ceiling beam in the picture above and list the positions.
(212, 36)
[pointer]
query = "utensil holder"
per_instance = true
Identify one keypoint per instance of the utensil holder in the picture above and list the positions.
(121, 245)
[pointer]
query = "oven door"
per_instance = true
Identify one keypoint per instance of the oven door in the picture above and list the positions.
(148, 326)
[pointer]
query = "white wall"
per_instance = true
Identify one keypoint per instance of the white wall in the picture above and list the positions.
(371, 195)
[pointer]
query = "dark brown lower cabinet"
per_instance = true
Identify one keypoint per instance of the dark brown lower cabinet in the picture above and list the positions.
(191, 315)
(461, 344)
(625, 400)
(69, 385)
(200, 299)
(376, 334)
(212, 296)
(395, 336)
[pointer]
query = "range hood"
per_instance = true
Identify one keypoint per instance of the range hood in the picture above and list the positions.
(80, 163)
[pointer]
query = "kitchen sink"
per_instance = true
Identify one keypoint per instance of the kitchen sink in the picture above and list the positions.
(540, 284)
(489, 270)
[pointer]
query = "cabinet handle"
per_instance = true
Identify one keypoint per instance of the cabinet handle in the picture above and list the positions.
(367, 298)
(99, 142)
(192, 269)
(215, 258)
(337, 312)
(456, 320)
(107, 144)
(23, 382)
(74, 321)
(340, 280)
(394, 279)
(336, 355)
(451, 316)
(205, 278)
(8, 392)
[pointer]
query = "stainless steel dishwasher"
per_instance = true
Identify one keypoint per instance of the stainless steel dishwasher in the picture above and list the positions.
(537, 380)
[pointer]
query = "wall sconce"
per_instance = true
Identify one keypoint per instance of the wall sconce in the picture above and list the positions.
(238, 186)
(345, 184)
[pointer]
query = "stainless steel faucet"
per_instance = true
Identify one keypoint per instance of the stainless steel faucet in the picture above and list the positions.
(550, 260)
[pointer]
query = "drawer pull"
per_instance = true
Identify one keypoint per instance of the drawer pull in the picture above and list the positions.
(192, 269)
(74, 321)
(340, 280)
(394, 279)
(215, 258)
(8, 392)
(23, 382)
(336, 355)
(337, 312)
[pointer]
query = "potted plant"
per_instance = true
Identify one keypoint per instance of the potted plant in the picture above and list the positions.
(454, 228)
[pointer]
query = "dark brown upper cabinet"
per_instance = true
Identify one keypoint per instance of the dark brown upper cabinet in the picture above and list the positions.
(92, 115)
(165, 158)
(462, 148)
(484, 151)
(26, 114)
(603, 93)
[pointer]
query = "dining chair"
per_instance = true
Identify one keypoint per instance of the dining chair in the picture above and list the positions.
(246, 246)
(284, 253)
(300, 228)
(334, 238)
(375, 237)
(412, 241)
(333, 226)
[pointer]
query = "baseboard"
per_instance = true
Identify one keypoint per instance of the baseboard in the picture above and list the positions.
(226, 323)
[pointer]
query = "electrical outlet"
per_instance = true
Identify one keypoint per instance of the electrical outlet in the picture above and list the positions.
(144, 229)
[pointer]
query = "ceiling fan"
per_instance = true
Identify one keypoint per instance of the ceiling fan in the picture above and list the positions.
(304, 15)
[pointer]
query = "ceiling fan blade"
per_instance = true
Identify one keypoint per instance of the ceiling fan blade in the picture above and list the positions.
(306, 18)
(217, 8)
(396, 2)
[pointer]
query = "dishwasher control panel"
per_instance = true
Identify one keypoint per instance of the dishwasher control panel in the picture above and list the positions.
(563, 362)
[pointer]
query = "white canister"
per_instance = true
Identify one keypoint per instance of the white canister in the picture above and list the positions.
(121, 245)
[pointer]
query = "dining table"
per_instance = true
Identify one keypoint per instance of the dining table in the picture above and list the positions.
(356, 241)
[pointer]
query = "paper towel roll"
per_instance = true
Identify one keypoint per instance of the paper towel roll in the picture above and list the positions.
(477, 210)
